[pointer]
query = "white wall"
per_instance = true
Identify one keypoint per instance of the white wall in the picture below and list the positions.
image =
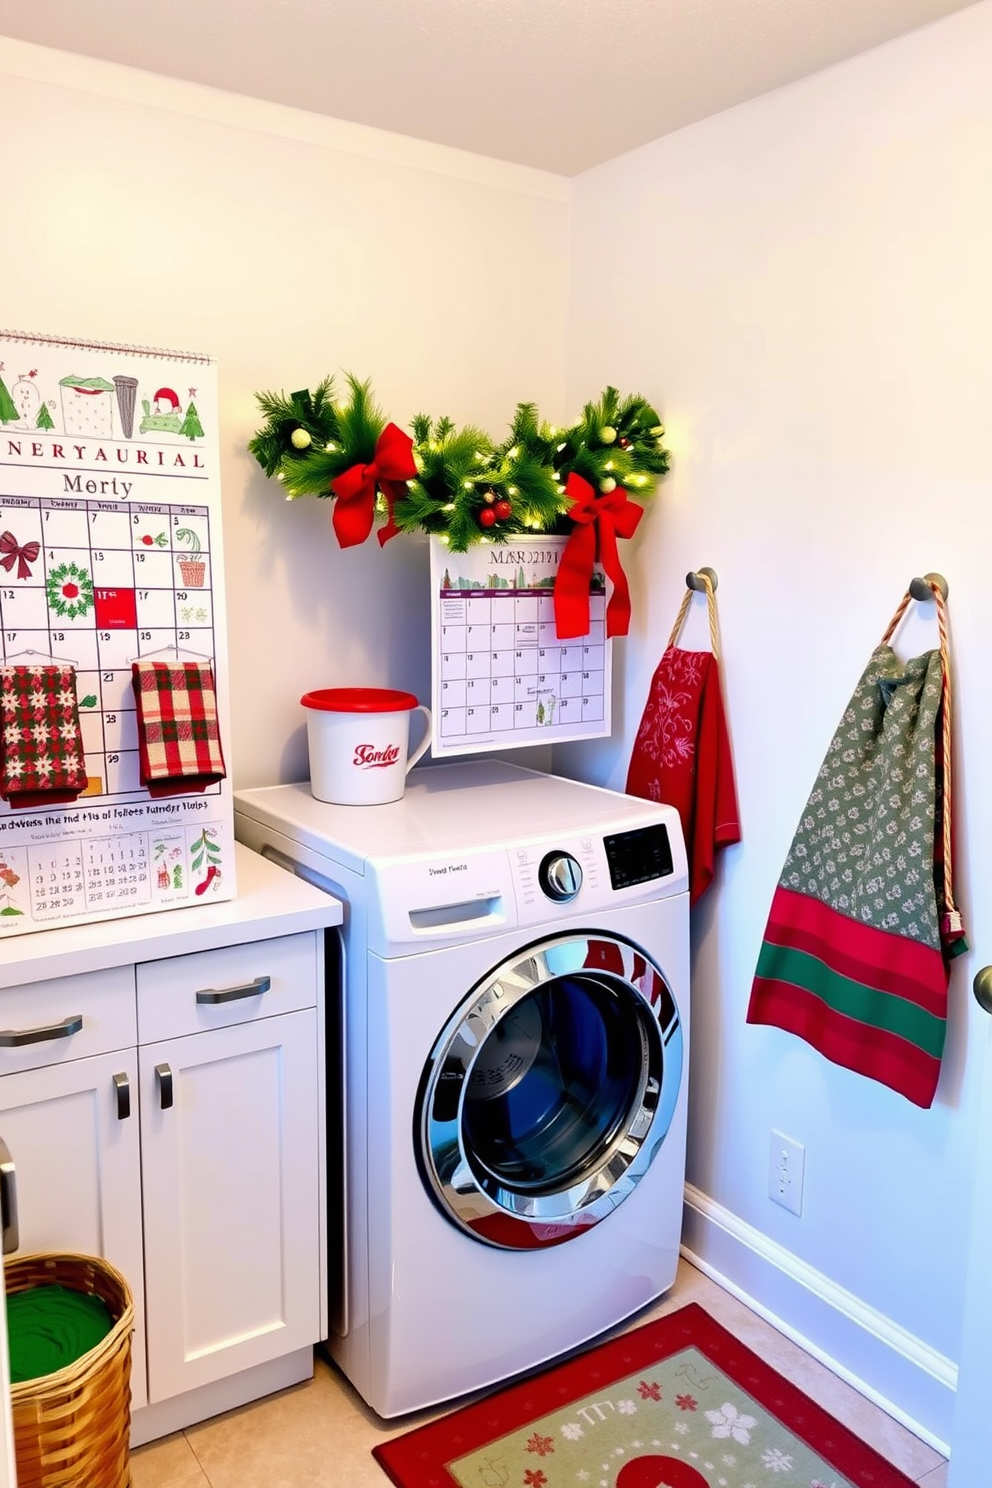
(802, 285)
(143, 210)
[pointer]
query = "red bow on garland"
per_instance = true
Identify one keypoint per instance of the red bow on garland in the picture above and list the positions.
(13, 553)
(391, 468)
(599, 521)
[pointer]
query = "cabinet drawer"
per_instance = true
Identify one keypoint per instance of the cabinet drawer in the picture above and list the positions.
(186, 994)
(45, 1013)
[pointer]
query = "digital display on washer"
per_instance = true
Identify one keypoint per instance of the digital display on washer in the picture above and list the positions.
(636, 857)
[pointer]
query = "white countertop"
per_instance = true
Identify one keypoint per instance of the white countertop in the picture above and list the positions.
(270, 902)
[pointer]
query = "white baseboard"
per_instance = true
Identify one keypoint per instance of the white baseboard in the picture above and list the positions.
(154, 1421)
(894, 1369)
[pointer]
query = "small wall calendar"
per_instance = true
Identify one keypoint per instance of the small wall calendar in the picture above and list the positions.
(110, 552)
(501, 677)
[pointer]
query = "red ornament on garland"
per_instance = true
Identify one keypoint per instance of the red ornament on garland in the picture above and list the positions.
(487, 516)
(503, 509)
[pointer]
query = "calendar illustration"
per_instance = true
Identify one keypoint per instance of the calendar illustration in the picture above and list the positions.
(500, 677)
(110, 555)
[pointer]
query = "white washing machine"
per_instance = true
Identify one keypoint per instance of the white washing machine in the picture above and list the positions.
(507, 1066)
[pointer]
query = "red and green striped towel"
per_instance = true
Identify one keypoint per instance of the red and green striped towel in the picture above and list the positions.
(855, 954)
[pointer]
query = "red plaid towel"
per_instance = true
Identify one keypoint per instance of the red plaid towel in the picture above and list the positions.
(41, 754)
(178, 735)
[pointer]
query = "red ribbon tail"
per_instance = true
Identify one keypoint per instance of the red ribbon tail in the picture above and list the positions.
(618, 605)
(393, 490)
(571, 591)
(8, 562)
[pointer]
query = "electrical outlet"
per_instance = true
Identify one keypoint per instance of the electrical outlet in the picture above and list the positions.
(786, 1169)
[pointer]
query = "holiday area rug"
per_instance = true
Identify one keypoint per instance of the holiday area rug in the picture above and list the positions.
(677, 1403)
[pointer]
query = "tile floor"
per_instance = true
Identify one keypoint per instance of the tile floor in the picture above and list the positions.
(320, 1434)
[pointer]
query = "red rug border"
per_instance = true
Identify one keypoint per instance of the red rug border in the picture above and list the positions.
(418, 1458)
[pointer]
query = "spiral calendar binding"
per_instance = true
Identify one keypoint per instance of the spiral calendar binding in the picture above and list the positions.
(32, 339)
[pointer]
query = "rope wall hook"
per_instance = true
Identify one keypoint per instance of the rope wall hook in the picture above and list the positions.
(922, 588)
(702, 582)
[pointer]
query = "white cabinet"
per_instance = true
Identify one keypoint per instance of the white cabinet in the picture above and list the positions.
(167, 1115)
(229, 1122)
(71, 1123)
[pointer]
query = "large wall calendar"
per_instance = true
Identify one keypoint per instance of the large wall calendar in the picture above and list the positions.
(501, 677)
(110, 553)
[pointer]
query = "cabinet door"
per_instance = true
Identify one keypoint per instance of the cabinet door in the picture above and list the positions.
(78, 1173)
(229, 1160)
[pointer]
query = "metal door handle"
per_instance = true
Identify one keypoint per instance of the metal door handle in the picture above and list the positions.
(8, 1200)
(122, 1089)
(233, 994)
(15, 1038)
(164, 1085)
(982, 988)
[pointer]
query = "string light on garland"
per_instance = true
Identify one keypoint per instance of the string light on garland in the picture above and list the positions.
(459, 484)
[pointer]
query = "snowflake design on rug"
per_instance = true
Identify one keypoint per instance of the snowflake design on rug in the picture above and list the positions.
(729, 1421)
(542, 1445)
(534, 1478)
(686, 1402)
(776, 1460)
(650, 1391)
(70, 591)
(571, 1431)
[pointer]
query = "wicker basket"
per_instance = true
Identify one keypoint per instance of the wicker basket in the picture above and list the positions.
(72, 1428)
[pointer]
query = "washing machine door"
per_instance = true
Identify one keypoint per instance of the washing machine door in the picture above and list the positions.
(550, 1090)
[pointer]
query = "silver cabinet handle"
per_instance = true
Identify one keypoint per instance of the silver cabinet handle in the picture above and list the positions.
(122, 1089)
(164, 1085)
(15, 1038)
(233, 994)
(982, 988)
(8, 1200)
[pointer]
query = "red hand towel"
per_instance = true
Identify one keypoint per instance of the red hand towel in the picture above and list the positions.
(682, 756)
(41, 755)
(178, 734)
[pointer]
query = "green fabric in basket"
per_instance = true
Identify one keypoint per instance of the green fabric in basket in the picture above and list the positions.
(50, 1327)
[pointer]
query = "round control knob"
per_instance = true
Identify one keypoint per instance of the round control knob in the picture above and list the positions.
(560, 877)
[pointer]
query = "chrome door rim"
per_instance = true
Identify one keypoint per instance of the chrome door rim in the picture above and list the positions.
(478, 1201)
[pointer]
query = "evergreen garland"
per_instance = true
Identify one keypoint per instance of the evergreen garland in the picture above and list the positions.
(467, 488)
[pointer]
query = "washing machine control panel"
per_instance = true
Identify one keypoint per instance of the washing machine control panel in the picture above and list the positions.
(639, 856)
(560, 876)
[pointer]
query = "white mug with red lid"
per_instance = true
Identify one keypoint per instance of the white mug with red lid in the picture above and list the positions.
(359, 743)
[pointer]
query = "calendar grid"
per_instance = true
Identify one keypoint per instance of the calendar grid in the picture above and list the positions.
(100, 585)
(502, 678)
